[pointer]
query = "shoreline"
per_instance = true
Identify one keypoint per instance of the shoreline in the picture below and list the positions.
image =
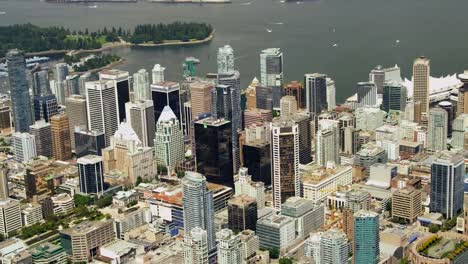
(115, 45)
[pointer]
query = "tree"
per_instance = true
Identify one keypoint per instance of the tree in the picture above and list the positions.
(83, 200)
(104, 201)
(138, 181)
(434, 228)
(404, 261)
(273, 252)
(286, 260)
(388, 207)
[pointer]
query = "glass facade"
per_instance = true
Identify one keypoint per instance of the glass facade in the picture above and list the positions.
(19, 91)
(366, 238)
(45, 107)
(161, 99)
(447, 188)
(257, 161)
(91, 177)
(123, 96)
(316, 93)
(89, 143)
(213, 147)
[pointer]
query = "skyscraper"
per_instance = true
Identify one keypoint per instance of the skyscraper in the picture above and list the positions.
(331, 95)
(447, 175)
(166, 93)
(327, 143)
(24, 146)
(225, 59)
(394, 97)
(366, 94)
(284, 160)
(61, 142)
(421, 73)
(213, 147)
(271, 72)
(264, 97)
(59, 86)
(88, 142)
(196, 248)
(158, 73)
(127, 154)
(141, 86)
(121, 83)
(169, 140)
(140, 115)
(308, 215)
(296, 89)
(43, 135)
(91, 174)
(449, 108)
(4, 191)
(102, 105)
(229, 247)
(305, 135)
(377, 76)
(437, 129)
(288, 106)
(45, 107)
(77, 116)
(19, 91)
(41, 85)
(460, 132)
(226, 99)
(242, 213)
(200, 98)
(334, 247)
(10, 213)
(366, 237)
(316, 93)
(198, 206)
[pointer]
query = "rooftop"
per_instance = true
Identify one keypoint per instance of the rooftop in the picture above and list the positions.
(86, 227)
(241, 200)
(209, 121)
(119, 247)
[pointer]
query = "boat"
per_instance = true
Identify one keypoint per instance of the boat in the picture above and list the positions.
(335, 45)
(248, 3)
(298, 2)
(268, 30)
(282, 1)
(397, 41)
(93, 6)
(278, 23)
(2, 13)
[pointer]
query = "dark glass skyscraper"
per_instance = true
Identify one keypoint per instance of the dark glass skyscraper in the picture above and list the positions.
(45, 106)
(91, 174)
(447, 175)
(88, 142)
(316, 93)
(19, 91)
(41, 84)
(213, 146)
(257, 160)
(394, 97)
(166, 93)
(264, 97)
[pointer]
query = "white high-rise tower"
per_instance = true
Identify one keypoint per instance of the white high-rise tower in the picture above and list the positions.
(141, 86)
(225, 59)
(158, 73)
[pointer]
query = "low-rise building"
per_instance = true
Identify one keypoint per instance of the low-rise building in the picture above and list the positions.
(319, 182)
(48, 253)
(82, 242)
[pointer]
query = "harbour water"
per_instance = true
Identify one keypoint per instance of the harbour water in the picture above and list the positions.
(342, 38)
